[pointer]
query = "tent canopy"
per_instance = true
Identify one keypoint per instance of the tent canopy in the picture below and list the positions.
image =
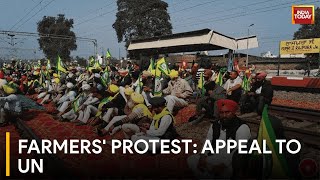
(200, 40)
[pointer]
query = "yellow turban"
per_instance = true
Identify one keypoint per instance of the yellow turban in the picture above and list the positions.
(56, 80)
(128, 91)
(174, 74)
(55, 75)
(137, 98)
(36, 73)
(8, 89)
(113, 88)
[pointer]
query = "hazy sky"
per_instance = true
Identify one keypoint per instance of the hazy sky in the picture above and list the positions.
(94, 19)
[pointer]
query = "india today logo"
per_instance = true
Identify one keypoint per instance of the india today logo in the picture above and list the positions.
(303, 14)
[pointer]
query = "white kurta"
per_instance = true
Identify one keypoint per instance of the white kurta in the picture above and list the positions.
(11, 103)
(243, 132)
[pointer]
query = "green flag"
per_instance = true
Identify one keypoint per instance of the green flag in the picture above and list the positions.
(279, 165)
(219, 80)
(76, 103)
(60, 67)
(139, 86)
(245, 84)
(108, 54)
(152, 65)
(163, 67)
(201, 84)
(105, 79)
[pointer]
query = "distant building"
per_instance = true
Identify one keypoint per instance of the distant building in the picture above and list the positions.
(268, 55)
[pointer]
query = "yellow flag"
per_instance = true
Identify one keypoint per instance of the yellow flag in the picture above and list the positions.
(163, 67)
(60, 66)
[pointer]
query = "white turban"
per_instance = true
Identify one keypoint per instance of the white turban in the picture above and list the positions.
(70, 75)
(2, 82)
(97, 75)
(86, 87)
(70, 85)
(99, 87)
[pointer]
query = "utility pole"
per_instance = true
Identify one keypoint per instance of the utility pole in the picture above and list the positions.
(12, 44)
(119, 53)
(247, 61)
(11, 37)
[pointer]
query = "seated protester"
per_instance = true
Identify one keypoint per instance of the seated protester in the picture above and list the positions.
(162, 125)
(233, 87)
(97, 80)
(83, 77)
(214, 92)
(125, 79)
(177, 92)
(45, 96)
(23, 84)
(259, 95)
(134, 78)
(93, 110)
(71, 77)
(126, 92)
(147, 86)
(33, 83)
(77, 104)
(87, 108)
(66, 100)
(58, 88)
(139, 111)
(228, 126)
(114, 106)
(10, 105)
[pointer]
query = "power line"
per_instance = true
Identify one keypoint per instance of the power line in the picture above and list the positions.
(191, 7)
(26, 15)
(97, 30)
(35, 14)
(216, 12)
(95, 17)
(94, 41)
(236, 15)
(172, 5)
(231, 16)
(94, 11)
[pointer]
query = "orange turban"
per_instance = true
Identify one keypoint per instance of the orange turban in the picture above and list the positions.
(227, 105)
(262, 75)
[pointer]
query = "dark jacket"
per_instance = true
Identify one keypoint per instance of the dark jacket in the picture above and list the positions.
(266, 91)
(117, 102)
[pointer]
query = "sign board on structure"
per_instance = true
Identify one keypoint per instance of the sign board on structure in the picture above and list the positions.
(301, 46)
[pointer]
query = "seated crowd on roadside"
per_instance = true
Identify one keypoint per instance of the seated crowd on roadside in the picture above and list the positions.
(141, 103)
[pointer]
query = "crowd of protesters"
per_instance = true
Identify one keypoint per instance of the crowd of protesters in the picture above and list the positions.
(140, 102)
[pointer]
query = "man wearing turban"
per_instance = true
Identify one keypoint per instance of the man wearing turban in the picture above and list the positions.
(228, 126)
(259, 95)
(213, 93)
(177, 91)
(10, 105)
